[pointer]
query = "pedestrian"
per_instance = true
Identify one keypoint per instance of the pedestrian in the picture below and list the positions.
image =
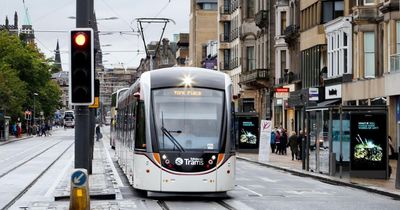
(43, 129)
(278, 142)
(98, 133)
(293, 144)
(272, 142)
(283, 142)
(19, 130)
(300, 146)
(14, 130)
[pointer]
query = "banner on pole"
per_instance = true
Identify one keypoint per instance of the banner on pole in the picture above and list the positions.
(265, 140)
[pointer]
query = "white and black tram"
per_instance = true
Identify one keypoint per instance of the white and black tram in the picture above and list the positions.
(175, 131)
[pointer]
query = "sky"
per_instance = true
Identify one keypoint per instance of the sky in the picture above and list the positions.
(51, 20)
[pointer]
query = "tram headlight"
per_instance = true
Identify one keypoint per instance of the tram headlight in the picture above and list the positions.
(167, 161)
(164, 157)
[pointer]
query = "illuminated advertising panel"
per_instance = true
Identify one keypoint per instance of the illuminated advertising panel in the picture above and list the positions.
(368, 148)
(248, 132)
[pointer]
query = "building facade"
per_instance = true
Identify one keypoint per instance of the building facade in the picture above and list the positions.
(202, 28)
(182, 52)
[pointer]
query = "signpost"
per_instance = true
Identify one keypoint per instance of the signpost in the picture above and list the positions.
(79, 198)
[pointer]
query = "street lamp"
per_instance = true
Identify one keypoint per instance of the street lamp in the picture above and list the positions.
(34, 116)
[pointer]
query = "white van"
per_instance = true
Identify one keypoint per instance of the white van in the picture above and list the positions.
(69, 119)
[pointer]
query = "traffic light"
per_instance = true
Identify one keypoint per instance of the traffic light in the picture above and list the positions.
(81, 76)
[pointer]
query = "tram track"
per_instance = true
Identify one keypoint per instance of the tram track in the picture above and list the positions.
(26, 161)
(25, 189)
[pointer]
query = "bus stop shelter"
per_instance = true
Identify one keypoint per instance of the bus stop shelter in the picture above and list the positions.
(347, 138)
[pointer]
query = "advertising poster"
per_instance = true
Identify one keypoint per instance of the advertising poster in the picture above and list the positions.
(265, 139)
(248, 133)
(368, 142)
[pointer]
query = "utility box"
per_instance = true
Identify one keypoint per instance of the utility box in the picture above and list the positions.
(4, 124)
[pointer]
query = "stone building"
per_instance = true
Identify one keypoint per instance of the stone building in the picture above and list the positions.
(202, 28)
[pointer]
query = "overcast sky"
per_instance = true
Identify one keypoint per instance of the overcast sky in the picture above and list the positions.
(52, 15)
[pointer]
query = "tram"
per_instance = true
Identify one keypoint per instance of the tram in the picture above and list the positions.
(114, 109)
(175, 131)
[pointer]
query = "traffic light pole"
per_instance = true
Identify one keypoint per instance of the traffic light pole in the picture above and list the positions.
(82, 125)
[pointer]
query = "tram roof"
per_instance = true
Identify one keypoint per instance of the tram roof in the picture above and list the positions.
(173, 77)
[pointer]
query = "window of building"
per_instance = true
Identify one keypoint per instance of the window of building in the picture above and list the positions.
(369, 54)
(248, 105)
(283, 22)
(250, 9)
(369, 2)
(398, 37)
(227, 55)
(332, 9)
(250, 58)
(209, 6)
(283, 62)
(311, 66)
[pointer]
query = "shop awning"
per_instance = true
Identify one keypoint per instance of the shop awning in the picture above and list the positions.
(329, 102)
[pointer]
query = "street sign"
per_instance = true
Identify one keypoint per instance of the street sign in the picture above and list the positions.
(79, 178)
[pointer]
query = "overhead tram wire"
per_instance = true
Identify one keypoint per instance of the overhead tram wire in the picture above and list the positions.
(119, 16)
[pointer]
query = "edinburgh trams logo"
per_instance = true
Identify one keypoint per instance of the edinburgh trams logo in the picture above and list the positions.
(189, 161)
(179, 161)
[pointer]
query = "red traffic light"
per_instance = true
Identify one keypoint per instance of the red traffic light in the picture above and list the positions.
(80, 39)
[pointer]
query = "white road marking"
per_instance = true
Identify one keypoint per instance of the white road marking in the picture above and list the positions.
(268, 180)
(254, 192)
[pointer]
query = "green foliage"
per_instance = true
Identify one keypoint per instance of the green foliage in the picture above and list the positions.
(26, 71)
(13, 92)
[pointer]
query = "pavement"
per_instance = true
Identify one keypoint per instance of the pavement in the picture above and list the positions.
(285, 163)
(102, 184)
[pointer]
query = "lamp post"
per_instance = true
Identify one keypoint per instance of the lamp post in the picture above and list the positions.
(34, 110)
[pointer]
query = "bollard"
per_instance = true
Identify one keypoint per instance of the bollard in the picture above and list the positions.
(79, 195)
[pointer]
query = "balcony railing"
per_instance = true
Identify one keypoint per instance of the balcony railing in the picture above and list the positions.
(365, 13)
(261, 18)
(234, 63)
(291, 33)
(224, 66)
(395, 63)
(224, 37)
(234, 34)
(288, 78)
(254, 76)
(234, 5)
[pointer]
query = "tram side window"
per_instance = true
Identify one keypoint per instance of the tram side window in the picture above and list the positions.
(233, 136)
(132, 123)
(140, 141)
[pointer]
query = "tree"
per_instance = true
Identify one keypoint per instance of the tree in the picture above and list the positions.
(12, 92)
(26, 63)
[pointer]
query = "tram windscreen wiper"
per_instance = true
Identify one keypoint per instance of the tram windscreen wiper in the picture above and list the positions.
(172, 138)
